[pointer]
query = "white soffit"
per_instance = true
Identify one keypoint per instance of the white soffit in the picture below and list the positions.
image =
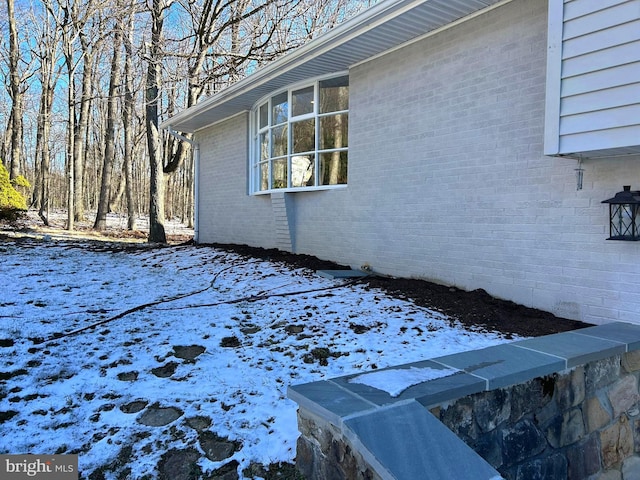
(382, 27)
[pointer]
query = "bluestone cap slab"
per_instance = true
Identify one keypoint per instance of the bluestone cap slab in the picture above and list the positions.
(626, 333)
(413, 444)
(327, 400)
(574, 348)
(504, 365)
(451, 387)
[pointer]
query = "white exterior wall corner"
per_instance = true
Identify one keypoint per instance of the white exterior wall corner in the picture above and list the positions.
(554, 77)
(227, 214)
(448, 180)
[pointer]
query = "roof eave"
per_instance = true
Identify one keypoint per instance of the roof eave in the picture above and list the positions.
(244, 92)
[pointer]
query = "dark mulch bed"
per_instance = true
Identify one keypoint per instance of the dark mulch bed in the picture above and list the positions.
(475, 309)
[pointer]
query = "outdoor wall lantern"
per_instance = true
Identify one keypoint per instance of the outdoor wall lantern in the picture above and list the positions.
(623, 215)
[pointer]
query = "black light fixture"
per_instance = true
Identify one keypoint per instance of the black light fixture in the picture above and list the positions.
(623, 215)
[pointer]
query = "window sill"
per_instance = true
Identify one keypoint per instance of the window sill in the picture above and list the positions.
(300, 189)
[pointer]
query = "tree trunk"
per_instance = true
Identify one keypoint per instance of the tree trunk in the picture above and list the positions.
(15, 91)
(42, 147)
(66, 27)
(116, 198)
(152, 92)
(70, 164)
(47, 54)
(109, 136)
(70, 170)
(5, 154)
(128, 177)
(82, 130)
(127, 124)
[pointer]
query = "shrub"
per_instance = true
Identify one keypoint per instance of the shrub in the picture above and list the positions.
(12, 203)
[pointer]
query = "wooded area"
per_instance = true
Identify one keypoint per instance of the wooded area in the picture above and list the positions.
(88, 82)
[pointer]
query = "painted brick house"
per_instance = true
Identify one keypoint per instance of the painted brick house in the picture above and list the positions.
(442, 139)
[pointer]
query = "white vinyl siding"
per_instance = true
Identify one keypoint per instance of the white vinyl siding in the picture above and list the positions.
(593, 78)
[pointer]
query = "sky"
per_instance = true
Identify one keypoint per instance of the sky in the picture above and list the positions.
(82, 332)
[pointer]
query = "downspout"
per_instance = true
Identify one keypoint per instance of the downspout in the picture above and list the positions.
(196, 180)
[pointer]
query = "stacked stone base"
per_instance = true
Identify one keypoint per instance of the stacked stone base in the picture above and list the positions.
(578, 424)
(324, 454)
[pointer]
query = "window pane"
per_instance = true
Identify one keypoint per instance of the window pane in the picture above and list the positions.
(334, 131)
(264, 176)
(333, 168)
(279, 141)
(302, 168)
(264, 115)
(280, 107)
(334, 95)
(264, 146)
(279, 173)
(304, 136)
(302, 101)
(623, 221)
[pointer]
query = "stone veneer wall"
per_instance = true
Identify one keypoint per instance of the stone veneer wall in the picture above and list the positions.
(577, 424)
(564, 406)
(324, 454)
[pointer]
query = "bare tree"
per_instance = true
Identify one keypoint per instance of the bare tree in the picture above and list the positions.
(207, 45)
(109, 134)
(219, 32)
(90, 38)
(16, 85)
(152, 101)
(46, 51)
(72, 19)
(214, 23)
(69, 35)
(128, 109)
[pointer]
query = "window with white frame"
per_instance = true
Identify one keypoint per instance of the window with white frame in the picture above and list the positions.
(301, 137)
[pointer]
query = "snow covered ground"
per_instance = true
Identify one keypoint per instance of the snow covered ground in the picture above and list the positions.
(90, 392)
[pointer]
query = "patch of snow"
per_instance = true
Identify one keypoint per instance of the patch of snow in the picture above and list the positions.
(70, 394)
(396, 380)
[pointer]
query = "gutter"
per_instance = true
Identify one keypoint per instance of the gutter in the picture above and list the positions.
(196, 180)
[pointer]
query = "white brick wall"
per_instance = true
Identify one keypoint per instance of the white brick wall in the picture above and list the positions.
(226, 213)
(448, 182)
